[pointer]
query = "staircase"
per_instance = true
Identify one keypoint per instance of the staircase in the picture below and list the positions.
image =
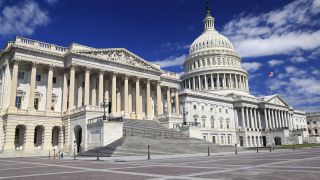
(149, 128)
(138, 134)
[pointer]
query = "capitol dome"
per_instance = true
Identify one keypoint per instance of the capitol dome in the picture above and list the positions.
(211, 39)
(213, 64)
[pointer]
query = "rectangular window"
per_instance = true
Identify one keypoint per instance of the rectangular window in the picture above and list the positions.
(54, 80)
(21, 75)
(36, 103)
(213, 139)
(38, 77)
(18, 102)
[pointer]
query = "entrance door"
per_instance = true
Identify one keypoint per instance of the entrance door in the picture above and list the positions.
(241, 141)
(277, 141)
(264, 141)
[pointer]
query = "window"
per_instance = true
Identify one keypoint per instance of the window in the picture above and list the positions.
(221, 124)
(213, 139)
(36, 103)
(203, 123)
(212, 121)
(316, 131)
(20, 75)
(52, 104)
(38, 77)
(54, 80)
(226, 111)
(220, 110)
(227, 124)
(222, 139)
(202, 108)
(229, 139)
(18, 102)
(194, 107)
(211, 109)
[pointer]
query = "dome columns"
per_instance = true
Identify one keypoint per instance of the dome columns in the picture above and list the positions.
(217, 81)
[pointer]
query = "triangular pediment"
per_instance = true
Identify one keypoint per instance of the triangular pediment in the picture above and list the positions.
(276, 100)
(121, 56)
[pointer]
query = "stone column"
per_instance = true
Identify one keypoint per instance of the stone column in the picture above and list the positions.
(49, 88)
(266, 119)
(218, 81)
(247, 84)
(270, 119)
(247, 117)
(177, 101)
(114, 94)
(148, 99)
(194, 83)
(138, 100)
(100, 97)
(206, 82)
(212, 85)
(159, 100)
(169, 101)
(32, 86)
(65, 92)
(243, 120)
(118, 102)
(200, 85)
(87, 87)
(255, 118)
(252, 120)
(189, 83)
(282, 119)
(14, 82)
(94, 90)
(126, 96)
(259, 119)
(71, 88)
(224, 82)
(277, 118)
(230, 81)
(236, 81)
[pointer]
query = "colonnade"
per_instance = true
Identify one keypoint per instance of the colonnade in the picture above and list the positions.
(278, 119)
(251, 118)
(216, 81)
(69, 83)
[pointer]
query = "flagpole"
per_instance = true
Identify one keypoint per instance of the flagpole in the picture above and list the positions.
(270, 84)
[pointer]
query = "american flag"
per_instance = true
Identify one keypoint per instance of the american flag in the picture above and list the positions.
(270, 74)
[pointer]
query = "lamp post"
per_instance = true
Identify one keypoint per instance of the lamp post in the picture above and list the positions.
(104, 105)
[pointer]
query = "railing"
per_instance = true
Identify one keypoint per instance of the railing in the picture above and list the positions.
(107, 118)
(135, 131)
(184, 124)
(40, 44)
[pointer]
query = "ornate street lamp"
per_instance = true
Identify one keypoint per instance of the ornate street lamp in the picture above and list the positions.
(104, 105)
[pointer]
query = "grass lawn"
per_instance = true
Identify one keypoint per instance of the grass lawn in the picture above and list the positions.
(297, 146)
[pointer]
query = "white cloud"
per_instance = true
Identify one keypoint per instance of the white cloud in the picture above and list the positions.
(278, 31)
(22, 18)
(275, 62)
(251, 66)
(51, 1)
(298, 59)
(172, 61)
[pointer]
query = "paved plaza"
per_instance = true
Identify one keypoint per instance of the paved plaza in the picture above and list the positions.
(279, 164)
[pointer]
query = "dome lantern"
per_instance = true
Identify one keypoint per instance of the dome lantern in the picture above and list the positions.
(208, 20)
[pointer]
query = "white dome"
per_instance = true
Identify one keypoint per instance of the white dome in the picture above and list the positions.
(211, 39)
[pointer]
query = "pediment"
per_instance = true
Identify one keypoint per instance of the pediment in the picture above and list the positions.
(277, 100)
(121, 56)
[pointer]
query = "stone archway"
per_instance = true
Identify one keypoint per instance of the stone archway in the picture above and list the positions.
(78, 137)
(38, 136)
(55, 136)
(20, 136)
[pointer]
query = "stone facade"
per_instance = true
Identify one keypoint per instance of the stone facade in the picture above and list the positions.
(49, 93)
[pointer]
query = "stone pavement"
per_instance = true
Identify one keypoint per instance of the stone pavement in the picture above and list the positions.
(284, 164)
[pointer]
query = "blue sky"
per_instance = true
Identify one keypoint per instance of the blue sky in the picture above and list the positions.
(282, 36)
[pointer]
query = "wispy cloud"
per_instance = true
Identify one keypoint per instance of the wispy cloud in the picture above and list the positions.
(251, 66)
(22, 18)
(274, 62)
(172, 61)
(278, 31)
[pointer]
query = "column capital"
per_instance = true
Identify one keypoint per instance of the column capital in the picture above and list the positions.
(73, 67)
(88, 69)
(16, 61)
(51, 67)
(34, 64)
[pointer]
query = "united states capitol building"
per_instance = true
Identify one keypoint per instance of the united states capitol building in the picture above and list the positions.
(51, 96)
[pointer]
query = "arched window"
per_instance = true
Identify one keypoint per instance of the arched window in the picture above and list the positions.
(212, 121)
(203, 121)
(221, 123)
